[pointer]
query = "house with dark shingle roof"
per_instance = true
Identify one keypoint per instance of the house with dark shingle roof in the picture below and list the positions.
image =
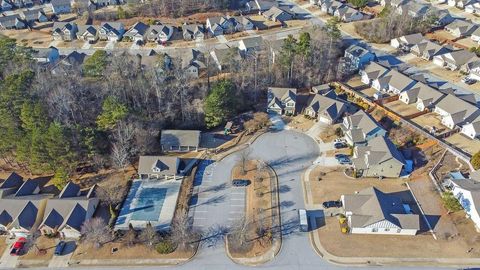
(66, 31)
(66, 213)
(21, 206)
(360, 127)
(159, 33)
(279, 14)
(357, 57)
(370, 211)
(324, 108)
(34, 15)
(61, 6)
(111, 31)
(11, 22)
(137, 32)
(193, 32)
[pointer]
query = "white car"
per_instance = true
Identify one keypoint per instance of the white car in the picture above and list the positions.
(339, 140)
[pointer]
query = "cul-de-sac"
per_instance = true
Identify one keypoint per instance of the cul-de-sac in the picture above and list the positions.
(240, 134)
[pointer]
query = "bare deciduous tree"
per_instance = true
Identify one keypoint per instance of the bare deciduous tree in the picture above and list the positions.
(96, 232)
(122, 148)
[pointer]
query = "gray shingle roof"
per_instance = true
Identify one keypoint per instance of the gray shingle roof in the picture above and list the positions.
(166, 165)
(171, 137)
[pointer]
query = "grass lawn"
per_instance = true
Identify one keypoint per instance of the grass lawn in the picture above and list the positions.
(43, 243)
(3, 244)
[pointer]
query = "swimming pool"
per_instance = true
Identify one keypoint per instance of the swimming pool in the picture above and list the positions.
(148, 204)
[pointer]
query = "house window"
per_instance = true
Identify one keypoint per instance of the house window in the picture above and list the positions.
(290, 104)
(399, 230)
(387, 229)
(374, 229)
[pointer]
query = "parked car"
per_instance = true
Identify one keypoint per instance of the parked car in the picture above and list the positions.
(18, 246)
(340, 140)
(59, 248)
(340, 156)
(339, 145)
(468, 80)
(330, 204)
(240, 182)
(344, 161)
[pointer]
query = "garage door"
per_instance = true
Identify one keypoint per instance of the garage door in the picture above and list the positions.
(324, 120)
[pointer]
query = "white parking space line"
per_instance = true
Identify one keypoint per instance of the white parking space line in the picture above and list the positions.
(241, 199)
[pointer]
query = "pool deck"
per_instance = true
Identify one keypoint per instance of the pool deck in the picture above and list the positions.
(167, 210)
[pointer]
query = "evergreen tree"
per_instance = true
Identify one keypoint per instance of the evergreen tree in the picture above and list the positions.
(220, 104)
(112, 112)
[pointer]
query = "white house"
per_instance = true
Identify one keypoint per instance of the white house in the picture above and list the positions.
(455, 111)
(370, 211)
(467, 192)
(371, 72)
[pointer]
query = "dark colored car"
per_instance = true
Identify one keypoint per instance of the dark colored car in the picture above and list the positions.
(339, 145)
(59, 248)
(330, 204)
(340, 156)
(240, 182)
(18, 246)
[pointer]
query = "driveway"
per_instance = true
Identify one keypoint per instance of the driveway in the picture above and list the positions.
(7, 260)
(222, 39)
(277, 122)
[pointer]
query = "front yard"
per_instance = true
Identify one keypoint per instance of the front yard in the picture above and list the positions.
(456, 234)
(41, 253)
(3, 244)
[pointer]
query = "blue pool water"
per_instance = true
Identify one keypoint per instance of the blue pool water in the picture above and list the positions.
(149, 204)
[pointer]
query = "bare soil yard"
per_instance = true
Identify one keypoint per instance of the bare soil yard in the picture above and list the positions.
(300, 122)
(328, 134)
(450, 243)
(44, 244)
(259, 209)
(401, 108)
(463, 142)
(3, 244)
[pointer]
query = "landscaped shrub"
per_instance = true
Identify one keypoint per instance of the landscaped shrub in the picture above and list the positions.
(165, 247)
(450, 202)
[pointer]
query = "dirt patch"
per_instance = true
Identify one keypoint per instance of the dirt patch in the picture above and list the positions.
(43, 249)
(463, 142)
(3, 244)
(329, 134)
(300, 122)
(401, 108)
(259, 209)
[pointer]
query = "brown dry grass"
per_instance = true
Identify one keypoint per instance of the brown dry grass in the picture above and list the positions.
(334, 184)
(259, 206)
(328, 134)
(300, 122)
(3, 245)
(43, 243)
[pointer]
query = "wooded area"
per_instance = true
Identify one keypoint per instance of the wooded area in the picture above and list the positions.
(108, 111)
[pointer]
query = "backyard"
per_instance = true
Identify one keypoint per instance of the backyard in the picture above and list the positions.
(463, 142)
(401, 108)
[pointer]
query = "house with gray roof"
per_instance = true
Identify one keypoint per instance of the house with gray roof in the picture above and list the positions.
(193, 62)
(325, 109)
(219, 25)
(66, 213)
(111, 31)
(46, 55)
(454, 60)
(279, 14)
(372, 71)
(467, 192)
(61, 6)
(393, 82)
(455, 111)
(412, 9)
(428, 49)
(193, 32)
(65, 31)
(87, 33)
(34, 15)
(423, 96)
(378, 158)
(282, 100)
(360, 127)
(259, 6)
(330, 6)
(11, 22)
(21, 206)
(6, 5)
(357, 57)
(406, 42)
(472, 129)
(223, 57)
(461, 28)
(242, 23)
(348, 14)
(161, 167)
(250, 44)
(176, 140)
(137, 32)
(160, 33)
(371, 211)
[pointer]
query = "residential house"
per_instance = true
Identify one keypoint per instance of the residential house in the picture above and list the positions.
(259, 6)
(136, 33)
(393, 82)
(461, 28)
(219, 25)
(160, 167)
(68, 62)
(472, 68)
(160, 33)
(34, 15)
(325, 109)
(282, 100)
(463, 3)
(21, 206)
(357, 57)
(224, 57)
(370, 211)
(455, 111)
(471, 129)
(193, 62)
(406, 42)
(65, 31)
(473, 8)
(250, 45)
(179, 140)
(476, 35)
(11, 22)
(87, 33)
(193, 32)
(6, 5)
(111, 31)
(321, 89)
(443, 18)
(348, 14)
(424, 96)
(242, 23)
(428, 49)
(67, 213)
(48, 55)
(279, 14)
(61, 6)
(454, 60)
(467, 192)
(360, 127)
(331, 6)
(372, 72)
